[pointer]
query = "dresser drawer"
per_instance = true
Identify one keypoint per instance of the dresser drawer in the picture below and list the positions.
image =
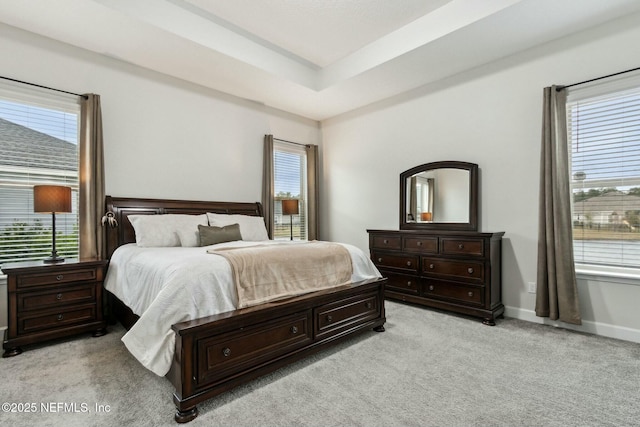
(58, 277)
(386, 242)
(449, 246)
(421, 244)
(333, 318)
(454, 291)
(60, 297)
(56, 319)
(453, 268)
(401, 282)
(405, 262)
(227, 354)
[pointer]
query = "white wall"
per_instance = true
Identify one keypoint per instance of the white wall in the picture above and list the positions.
(490, 116)
(163, 137)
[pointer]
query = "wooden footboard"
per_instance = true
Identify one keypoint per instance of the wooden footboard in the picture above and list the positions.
(217, 353)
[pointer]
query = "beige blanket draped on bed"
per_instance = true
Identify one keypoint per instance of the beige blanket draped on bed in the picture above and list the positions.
(269, 272)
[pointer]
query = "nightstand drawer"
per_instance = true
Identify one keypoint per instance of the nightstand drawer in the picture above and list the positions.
(57, 277)
(57, 298)
(57, 319)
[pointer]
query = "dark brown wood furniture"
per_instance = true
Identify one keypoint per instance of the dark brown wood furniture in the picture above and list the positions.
(438, 258)
(457, 271)
(48, 301)
(216, 353)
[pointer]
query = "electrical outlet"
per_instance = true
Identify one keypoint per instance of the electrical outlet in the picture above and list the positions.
(532, 287)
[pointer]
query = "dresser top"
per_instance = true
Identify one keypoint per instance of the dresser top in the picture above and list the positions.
(496, 234)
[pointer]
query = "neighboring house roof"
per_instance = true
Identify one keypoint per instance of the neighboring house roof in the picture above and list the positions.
(615, 201)
(21, 146)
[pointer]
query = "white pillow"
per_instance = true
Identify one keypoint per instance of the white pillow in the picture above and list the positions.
(165, 230)
(252, 228)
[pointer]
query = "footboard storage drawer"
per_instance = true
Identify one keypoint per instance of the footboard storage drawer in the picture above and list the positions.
(340, 316)
(221, 356)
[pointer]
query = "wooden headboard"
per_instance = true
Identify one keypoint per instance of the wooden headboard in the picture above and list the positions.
(122, 207)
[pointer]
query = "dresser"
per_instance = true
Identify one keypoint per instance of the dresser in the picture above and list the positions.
(47, 301)
(458, 271)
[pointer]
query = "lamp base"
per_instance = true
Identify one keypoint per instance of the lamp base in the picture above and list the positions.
(54, 258)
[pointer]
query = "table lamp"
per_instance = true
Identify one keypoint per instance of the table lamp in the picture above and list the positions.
(52, 199)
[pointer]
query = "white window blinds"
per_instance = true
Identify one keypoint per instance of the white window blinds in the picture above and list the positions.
(290, 182)
(604, 134)
(38, 145)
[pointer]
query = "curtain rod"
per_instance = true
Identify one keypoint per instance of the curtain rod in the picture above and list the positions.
(44, 87)
(291, 142)
(559, 88)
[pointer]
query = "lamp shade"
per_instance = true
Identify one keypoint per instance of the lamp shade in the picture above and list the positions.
(51, 198)
(290, 207)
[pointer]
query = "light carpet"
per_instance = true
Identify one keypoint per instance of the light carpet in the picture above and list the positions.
(428, 369)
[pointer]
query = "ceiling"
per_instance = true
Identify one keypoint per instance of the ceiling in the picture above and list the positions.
(314, 58)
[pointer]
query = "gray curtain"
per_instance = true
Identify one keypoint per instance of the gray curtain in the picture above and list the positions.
(312, 192)
(557, 291)
(268, 184)
(91, 200)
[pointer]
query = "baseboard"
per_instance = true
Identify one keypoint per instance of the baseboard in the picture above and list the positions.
(588, 326)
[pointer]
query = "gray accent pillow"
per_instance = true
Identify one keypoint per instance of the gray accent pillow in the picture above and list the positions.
(210, 235)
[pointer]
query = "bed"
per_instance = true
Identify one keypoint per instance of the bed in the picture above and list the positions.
(213, 353)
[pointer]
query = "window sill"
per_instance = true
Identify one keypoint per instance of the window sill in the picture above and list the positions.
(618, 275)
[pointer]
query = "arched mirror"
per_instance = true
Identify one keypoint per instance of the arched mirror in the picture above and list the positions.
(440, 196)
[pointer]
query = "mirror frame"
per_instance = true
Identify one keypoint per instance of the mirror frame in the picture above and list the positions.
(472, 225)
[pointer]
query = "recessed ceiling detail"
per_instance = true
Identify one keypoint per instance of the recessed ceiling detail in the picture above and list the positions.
(314, 58)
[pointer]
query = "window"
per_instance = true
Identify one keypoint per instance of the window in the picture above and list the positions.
(38, 145)
(290, 182)
(603, 124)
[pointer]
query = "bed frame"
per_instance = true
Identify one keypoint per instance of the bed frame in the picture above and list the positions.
(216, 353)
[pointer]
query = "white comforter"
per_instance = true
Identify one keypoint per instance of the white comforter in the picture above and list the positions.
(165, 286)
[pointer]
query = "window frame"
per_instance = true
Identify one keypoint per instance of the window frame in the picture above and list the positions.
(37, 98)
(303, 216)
(619, 274)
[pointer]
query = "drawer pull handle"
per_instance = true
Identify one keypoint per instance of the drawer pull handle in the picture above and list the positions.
(294, 329)
(408, 263)
(470, 294)
(380, 260)
(385, 241)
(431, 287)
(60, 317)
(226, 352)
(59, 296)
(419, 243)
(431, 266)
(329, 319)
(368, 304)
(460, 246)
(59, 277)
(409, 283)
(470, 270)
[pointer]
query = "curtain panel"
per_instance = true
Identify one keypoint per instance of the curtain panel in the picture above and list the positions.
(91, 179)
(557, 292)
(312, 192)
(268, 186)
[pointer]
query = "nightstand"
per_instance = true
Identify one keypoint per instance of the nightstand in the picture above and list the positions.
(48, 301)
